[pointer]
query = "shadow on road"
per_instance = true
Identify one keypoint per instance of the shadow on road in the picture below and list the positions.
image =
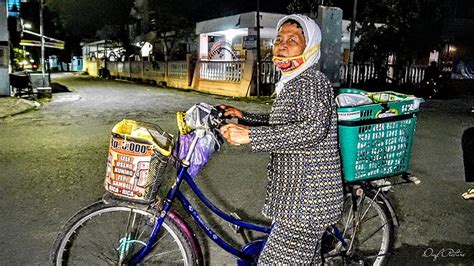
(57, 88)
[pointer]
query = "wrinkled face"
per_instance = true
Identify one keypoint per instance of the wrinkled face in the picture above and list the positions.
(289, 42)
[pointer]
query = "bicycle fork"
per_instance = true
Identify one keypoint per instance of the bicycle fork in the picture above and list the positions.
(127, 242)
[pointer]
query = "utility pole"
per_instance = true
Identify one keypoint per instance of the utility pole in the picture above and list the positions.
(42, 38)
(351, 43)
(258, 47)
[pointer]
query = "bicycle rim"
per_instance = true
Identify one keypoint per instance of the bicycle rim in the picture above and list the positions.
(111, 235)
(368, 233)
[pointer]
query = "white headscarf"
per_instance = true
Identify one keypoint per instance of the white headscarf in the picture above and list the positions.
(312, 36)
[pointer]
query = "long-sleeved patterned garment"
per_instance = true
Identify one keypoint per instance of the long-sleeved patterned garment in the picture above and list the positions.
(301, 135)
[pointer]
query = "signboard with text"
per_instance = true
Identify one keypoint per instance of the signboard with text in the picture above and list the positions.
(250, 42)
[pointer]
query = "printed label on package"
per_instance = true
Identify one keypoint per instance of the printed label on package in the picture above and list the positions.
(127, 168)
(342, 116)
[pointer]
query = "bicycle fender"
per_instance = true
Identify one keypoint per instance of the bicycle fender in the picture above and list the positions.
(389, 208)
(188, 232)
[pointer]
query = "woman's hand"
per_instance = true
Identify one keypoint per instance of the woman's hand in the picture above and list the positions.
(235, 134)
(231, 111)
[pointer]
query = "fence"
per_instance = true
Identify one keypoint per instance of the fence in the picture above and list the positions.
(268, 73)
(230, 71)
(231, 77)
(365, 72)
(151, 71)
(178, 69)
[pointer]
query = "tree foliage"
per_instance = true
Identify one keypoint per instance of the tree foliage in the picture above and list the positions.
(406, 29)
(307, 7)
(172, 21)
(91, 19)
(84, 17)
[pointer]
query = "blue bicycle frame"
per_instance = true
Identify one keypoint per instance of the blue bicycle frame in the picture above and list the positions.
(176, 193)
(246, 255)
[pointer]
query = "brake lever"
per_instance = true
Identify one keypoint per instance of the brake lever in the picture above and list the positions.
(218, 113)
(221, 113)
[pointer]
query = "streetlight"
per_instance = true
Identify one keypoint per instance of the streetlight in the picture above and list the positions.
(351, 43)
(27, 26)
(42, 38)
(258, 48)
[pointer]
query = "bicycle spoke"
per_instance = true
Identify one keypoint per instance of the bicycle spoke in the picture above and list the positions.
(110, 235)
(164, 253)
(368, 219)
(105, 258)
(366, 231)
(378, 229)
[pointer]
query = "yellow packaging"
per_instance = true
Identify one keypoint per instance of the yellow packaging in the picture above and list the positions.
(136, 162)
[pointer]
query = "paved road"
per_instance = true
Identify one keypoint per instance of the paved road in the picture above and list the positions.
(53, 163)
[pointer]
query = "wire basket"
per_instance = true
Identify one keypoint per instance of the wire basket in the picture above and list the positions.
(138, 156)
(376, 140)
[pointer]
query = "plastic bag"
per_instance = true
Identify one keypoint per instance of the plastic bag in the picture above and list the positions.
(352, 99)
(389, 96)
(205, 147)
(200, 116)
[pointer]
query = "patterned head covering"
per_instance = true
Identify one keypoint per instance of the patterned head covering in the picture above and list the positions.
(311, 54)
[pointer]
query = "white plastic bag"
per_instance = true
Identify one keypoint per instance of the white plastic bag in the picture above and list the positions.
(352, 100)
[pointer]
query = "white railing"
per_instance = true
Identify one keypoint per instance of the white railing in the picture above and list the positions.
(230, 71)
(178, 69)
(414, 74)
(360, 73)
(363, 73)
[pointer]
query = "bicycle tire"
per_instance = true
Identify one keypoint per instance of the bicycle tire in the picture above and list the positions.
(374, 218)
(93, 236)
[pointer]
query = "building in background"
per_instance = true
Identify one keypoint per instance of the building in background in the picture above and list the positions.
(234, 37)
(456, 58)
(4, 51)
(13, 8)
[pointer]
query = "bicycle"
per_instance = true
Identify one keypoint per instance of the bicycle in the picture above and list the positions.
(120, 230)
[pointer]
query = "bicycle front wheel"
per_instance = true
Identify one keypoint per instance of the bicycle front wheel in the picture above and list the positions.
(367, 229)
(106, 234)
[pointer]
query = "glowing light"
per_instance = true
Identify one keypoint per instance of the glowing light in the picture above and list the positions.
(230, 33)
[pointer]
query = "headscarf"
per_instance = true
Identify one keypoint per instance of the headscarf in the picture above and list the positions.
(311, 53)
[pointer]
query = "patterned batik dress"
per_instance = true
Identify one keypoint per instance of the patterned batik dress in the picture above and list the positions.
(304, 192)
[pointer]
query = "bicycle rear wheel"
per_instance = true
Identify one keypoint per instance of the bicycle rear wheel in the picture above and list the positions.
(105, 234)
(367, 228)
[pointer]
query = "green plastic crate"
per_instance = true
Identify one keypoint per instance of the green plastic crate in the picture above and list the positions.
(375, 140)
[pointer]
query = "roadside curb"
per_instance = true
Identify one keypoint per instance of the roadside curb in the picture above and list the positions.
(11, 106)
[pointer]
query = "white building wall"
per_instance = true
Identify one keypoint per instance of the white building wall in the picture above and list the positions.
(3, 21)
(4, 51)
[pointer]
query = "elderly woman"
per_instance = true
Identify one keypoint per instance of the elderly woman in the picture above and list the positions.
(304, 192)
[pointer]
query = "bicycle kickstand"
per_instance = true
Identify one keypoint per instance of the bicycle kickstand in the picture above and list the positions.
(237, 229)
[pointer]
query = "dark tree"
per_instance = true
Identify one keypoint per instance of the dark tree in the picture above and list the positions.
(85, 19)
(406, 29)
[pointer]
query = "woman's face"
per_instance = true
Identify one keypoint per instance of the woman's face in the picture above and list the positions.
(289, 42)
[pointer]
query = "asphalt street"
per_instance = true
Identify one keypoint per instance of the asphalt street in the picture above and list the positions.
(53, 164)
